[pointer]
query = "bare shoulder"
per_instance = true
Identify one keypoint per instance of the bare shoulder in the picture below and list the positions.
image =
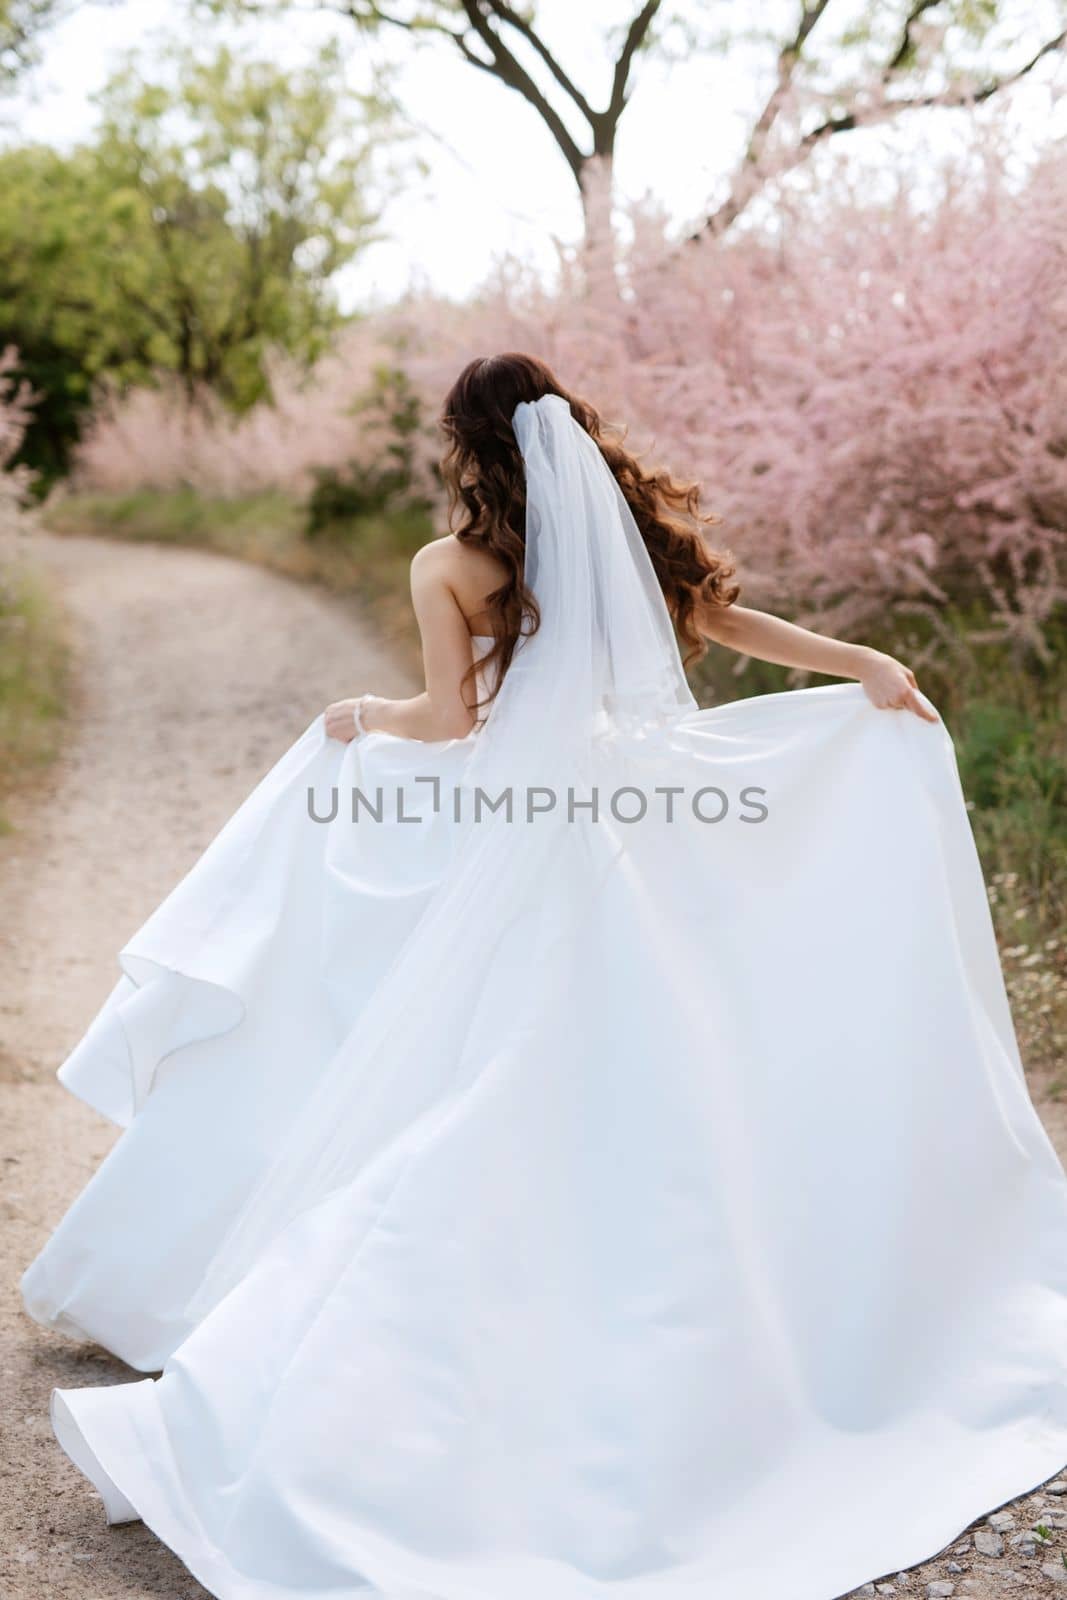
(469, 572)
(434, 556)
(449, 555)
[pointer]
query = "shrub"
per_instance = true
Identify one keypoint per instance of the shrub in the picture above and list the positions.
(872, 390)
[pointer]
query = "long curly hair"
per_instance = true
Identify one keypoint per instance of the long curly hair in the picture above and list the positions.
(483, 473)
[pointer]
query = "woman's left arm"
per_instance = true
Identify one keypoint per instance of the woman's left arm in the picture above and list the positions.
(887, 682)
(443, 710)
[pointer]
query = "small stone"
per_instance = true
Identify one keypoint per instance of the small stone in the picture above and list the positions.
(1024, 1543)
(988, 1542)
(885, 1588)
(939, 1588)
(868, 1588)
(1001, 1521)
(953, 1566)
(1056, 1571)
(1058, 1487)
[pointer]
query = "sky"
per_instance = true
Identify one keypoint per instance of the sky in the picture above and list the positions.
(494, 182)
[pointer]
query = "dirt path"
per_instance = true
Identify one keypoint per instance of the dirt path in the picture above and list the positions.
(196, 673)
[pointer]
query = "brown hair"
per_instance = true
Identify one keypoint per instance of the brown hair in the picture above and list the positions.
(483, 472)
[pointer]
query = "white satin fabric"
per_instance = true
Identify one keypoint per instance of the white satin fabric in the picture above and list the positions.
(687, 1186)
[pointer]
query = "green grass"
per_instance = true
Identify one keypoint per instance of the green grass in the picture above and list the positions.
(33, 678)
(1008, 716)
(1011, 739)
(263, 523)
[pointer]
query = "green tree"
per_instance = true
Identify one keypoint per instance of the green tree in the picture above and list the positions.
(22, 23)
(202, 227)
(59, 303)
(245, 191)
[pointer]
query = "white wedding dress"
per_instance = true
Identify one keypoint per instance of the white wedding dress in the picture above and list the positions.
(544, 1209)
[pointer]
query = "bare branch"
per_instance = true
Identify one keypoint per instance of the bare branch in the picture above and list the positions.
(510, 71)
(481, 34)
(788, 57)
(506, 13)
(946, 99)
(751, 179)
(995, 85)
(472, 56)
(904, 51)
(636, 34)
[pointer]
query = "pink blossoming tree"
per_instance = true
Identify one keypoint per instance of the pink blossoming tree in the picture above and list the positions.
(872, 392)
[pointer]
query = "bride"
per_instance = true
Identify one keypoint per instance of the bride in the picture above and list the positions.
(575, 1144)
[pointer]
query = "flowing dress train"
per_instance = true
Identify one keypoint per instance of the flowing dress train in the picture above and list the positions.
(534, 1207)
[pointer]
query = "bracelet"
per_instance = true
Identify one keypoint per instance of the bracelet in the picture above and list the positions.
(357, 716)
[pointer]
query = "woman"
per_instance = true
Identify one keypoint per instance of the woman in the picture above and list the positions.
(605, 1126)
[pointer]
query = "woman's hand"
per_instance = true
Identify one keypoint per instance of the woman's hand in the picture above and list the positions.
(341, 720)
(891, 686)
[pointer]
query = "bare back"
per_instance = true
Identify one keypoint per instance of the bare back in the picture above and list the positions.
(473, 575)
